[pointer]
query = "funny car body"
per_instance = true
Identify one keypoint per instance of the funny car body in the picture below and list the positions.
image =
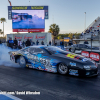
(54, 59)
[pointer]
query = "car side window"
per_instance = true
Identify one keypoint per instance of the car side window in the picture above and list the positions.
(39, 50)
(32, 50)
(25, 50)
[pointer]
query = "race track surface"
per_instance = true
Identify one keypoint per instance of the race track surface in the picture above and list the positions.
(51, 86)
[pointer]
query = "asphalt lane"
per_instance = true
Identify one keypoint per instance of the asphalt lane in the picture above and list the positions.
(51, 86)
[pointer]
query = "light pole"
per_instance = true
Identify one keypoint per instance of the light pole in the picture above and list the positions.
(29, 2)
(85, 24)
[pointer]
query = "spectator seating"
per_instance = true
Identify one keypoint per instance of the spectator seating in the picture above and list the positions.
(93, 28)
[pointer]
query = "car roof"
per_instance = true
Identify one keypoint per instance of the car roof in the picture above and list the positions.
(39, 46)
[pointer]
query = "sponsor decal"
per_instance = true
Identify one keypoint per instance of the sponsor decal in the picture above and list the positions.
(94, 56)
(85, 53)
(73, 72)
(40, 68)
(85, 59)
(71, 55)
(40, 37)
(25, 37)
(30, 66)
(28, 30)
(72, 64)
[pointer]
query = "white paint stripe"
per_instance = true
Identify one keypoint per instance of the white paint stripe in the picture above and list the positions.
(12, 97)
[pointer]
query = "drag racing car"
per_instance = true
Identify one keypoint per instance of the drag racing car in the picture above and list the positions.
(54, 59)
(79, 47)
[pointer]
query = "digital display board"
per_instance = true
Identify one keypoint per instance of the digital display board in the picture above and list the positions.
(10, 8)
(28, 18)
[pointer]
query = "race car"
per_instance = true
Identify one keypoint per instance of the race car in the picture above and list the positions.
(79, 47)
(54, 59)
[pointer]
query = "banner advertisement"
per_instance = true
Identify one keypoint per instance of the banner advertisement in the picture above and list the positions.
(45, 37)
(92, 55)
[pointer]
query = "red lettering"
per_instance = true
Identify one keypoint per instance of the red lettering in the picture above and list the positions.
(40, 37)
(28, 37)
(18, 37)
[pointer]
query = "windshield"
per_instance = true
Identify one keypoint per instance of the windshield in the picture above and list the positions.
(92, 47)
(54, 50)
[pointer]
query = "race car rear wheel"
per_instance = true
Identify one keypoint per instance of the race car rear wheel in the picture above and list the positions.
(22, 61)
(62, 68)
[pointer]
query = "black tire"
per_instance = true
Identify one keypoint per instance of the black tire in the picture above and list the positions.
(22, 61)
(62, 68)
(69, 49)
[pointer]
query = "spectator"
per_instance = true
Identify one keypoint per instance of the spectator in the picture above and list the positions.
(19, 44)
(49, 42)
(86, 42)
(82, 35)
(98, 30)
(70, 43)
(0, 42)
(33, 43)
(28, 42)
(10, 43)
(62, 44)
(23, 43)
(37, 42)
(42, 43)
(15, 43)
(73, 36)
(55, 44)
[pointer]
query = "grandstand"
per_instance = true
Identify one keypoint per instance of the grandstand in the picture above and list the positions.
(93, 28)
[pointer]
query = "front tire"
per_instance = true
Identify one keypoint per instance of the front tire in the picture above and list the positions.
(22, 61)
(62, 69)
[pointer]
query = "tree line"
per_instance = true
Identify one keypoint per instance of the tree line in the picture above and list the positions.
(54, 29)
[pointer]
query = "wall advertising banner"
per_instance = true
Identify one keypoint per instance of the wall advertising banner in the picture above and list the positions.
(92, 55)
(45, 37)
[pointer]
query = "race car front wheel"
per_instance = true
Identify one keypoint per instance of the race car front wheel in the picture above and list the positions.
(22, 61)
(62, 68)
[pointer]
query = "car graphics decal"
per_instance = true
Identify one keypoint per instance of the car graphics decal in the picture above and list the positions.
(42, 62)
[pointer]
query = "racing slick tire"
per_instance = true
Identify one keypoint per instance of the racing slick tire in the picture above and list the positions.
(62, 68)
(22, 61)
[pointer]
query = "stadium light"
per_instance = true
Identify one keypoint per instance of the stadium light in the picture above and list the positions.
(85, 24)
